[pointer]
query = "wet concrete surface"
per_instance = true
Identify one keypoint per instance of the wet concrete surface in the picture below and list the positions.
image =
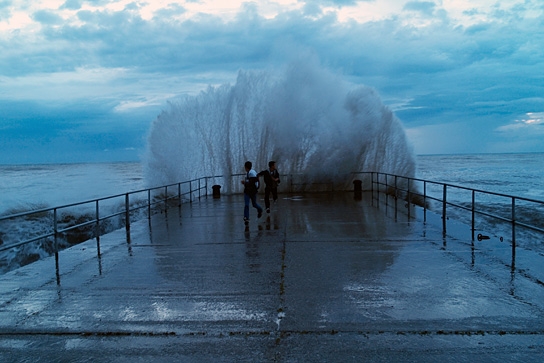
(322, 278)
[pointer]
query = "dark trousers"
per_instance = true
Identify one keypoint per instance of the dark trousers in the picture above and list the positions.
(267, 191)
(253, 199)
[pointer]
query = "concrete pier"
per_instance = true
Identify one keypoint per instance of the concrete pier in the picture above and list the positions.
(322, 278)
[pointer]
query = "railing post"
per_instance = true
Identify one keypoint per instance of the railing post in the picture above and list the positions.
(56, 241)
(199, 179)
(372, 187)
(55, 230)
(424, 201)
(386, 195)
(396, 197)
(127, 213)
(97, 229)
(191, 191)
(378, 187)
(408, 199)
(179, 194)
(166, 198)
(444, 201)
(149, 204)
(372, 183)
(513, 232)
(473, 210)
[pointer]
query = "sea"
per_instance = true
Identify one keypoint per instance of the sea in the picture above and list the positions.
(28, 187)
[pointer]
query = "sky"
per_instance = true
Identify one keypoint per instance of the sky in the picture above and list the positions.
(82, 80)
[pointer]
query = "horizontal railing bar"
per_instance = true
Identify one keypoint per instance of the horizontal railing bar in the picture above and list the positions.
(20, 243)
(49, 209)
(534, 228)
(102, 218)
(93, 221)
(458, 206)
(461, 187)
(496, 217)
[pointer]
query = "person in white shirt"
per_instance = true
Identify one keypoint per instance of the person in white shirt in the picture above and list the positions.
(251, 185)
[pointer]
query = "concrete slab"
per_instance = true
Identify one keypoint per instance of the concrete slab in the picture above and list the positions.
(323, 277)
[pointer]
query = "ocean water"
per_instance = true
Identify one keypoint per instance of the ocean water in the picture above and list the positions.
(513, 174)
(27, 187)
(24, 187)
(33, 187)
(520, 175)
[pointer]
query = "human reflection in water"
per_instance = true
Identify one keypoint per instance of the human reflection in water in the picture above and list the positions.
(252, 251)
(274, 222)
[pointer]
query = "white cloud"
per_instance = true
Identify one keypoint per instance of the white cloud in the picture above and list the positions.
(130, 105)
(69, 85)
(533, 123)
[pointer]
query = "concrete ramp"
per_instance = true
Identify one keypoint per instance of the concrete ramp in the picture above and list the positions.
(322, 278)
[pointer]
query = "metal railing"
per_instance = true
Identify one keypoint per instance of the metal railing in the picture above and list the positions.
(416, 192)
(493, 207)
(131, 202)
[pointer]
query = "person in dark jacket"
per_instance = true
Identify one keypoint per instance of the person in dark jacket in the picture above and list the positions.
(251, 185)
(271, 180)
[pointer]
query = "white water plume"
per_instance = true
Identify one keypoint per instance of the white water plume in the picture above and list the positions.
(304, 117)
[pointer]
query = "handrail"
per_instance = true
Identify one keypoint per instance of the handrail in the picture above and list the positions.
(128, 208)
(400, 187)
(412, 195)
(447, 185)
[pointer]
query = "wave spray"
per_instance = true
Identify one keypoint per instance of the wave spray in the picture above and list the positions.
(306, 118)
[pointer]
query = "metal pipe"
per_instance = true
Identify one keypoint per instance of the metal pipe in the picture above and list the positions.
(473, 209)
(408, 199)
(165, 198)
(444, 201)
(127, 213)
(55, 228)
(179, 194)
(386, 195)
(396, 197)
(425, 201)
(149, 204)
(513, 232)
(97, 230)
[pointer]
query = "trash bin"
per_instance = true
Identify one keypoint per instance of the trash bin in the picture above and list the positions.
(358, 189)
(357, 185)
(216, 191)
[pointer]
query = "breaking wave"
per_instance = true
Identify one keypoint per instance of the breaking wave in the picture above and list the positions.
(305, 117)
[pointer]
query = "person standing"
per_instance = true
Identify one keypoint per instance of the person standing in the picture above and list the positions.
(271, 181)
(251, 185)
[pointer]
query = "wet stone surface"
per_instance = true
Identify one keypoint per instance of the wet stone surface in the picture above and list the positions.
(321, 278)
